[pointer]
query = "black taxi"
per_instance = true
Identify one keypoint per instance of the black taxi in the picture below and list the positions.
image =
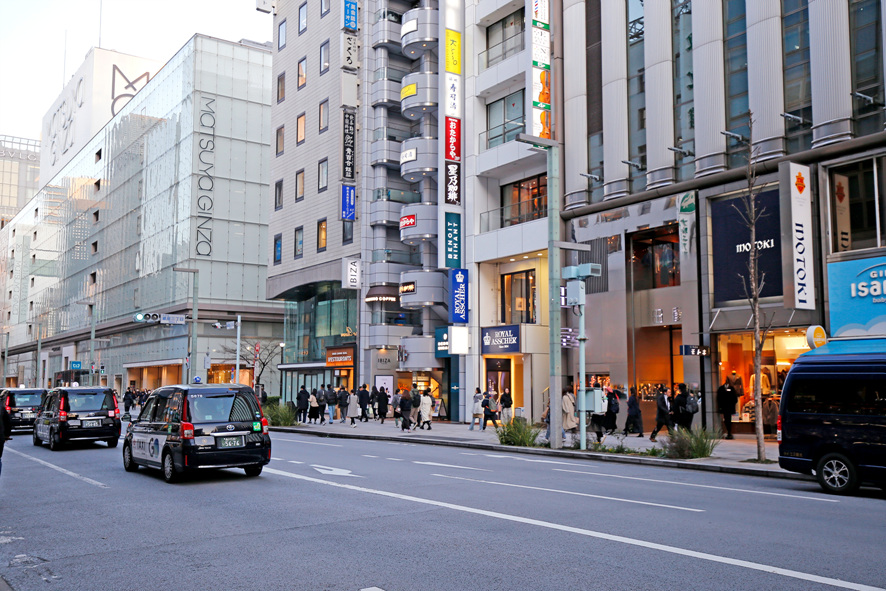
(22, 405)
(187, 427)
(77, 414)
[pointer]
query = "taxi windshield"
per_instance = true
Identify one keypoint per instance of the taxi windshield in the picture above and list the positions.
(223, 408)
(86, 401)
(24, 399)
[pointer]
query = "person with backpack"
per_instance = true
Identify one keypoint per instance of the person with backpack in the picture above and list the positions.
(405, 410)
(635, 416)
(415, 397)
(342, 403)
(128, 400)
(331, 399)
(490, 408)
(682, 412)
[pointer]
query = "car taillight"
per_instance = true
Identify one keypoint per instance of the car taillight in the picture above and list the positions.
(7, 406)
(778, 429)
(62, 416)
(116, 411)
(187, 430)
(264, 425)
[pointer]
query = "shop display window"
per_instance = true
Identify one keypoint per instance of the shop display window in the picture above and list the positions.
(518, 293)
(655, 258)
(524, 201)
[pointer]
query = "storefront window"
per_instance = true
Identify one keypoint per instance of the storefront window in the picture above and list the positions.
(856, 203)
(655, 258)
(518, 292)
(323, 320)
(524, 201)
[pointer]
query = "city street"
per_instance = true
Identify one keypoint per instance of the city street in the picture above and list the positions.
(354, 514)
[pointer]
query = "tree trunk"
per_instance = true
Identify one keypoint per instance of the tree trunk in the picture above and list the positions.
(753, 267)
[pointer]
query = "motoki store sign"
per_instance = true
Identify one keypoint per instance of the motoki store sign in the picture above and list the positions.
(500, 339)
(799, 286)
(340, 357)
(857, 293)
(730, 239)
(458, 296)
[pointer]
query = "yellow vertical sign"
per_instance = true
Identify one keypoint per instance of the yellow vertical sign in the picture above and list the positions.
(453, 51)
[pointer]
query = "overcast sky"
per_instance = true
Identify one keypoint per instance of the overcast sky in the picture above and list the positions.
(33, 66)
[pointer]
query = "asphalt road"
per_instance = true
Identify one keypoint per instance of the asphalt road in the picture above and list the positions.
(330, 514)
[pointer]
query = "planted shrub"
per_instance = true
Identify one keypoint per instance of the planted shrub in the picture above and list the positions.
(519, 433)
(280, 416)
(694, 443)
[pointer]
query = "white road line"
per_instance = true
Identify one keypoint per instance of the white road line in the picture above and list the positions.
(451, 466)
(295, 462)
(467, 453)
(59, 469)
(395, 459)
(569, 492)
(307, 442)
(533, 461)
(279, 459)
(594, 534)
(368, 456)
(742, 490)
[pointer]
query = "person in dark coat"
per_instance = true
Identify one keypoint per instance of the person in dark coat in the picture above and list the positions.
(128, 400)
(321, 404)
(301, 404)
(363, 400)
(342, 403)
(5, 428)
(635, 416)
(331, 399)
(663, 414)
(727, 398)
(490, 408)
(381, 401)
(682, 416)
(405, 410)
(507, 406)
(609, 420)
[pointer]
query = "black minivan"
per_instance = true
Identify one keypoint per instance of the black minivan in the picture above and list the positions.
(832, 417)
(77, 413)
(186, 427)
(22, 405)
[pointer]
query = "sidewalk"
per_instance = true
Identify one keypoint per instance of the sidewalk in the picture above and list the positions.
(729, 456)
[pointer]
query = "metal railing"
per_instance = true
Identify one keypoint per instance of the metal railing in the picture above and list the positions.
(502, 51)
(402, 257)
(396, 195)
(391, 134)
(396, 318)
(516, 213)
(506, 132)
(386, 14)
(389, 73)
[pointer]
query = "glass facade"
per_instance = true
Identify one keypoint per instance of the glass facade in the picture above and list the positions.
(19, 174)
(797, 77)
(636, 96)
(655, 258)
(865, 37)
(518, 297)
(326, 319)
(737, 106)
(684, 93)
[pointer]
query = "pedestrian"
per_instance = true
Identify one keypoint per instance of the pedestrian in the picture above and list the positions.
(427, 404)
(635, 416)
(610, 419)
(353, 408)
(546, 417)
(313, 407)
(770, 415)
(301, 404)
(128, 400)
(342, 403)
(477, 408)
(363, 399)
(405, 410)
(507, 406)
(727, 398)
(395, 405)
(381, 403)
(373, 402)
(5, 427)
(682, 413)
(264, 396)
(331, 400)
(663, 413)
(490, 408)
(415, 396)
(570, 421)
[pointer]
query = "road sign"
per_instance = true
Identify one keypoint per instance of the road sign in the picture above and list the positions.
(76, 364)
(172, 318)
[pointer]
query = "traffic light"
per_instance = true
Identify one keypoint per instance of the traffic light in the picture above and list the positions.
(143, 317)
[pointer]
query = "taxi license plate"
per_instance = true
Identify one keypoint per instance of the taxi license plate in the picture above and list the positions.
(88, 424)
(230, 441)
(27, 415)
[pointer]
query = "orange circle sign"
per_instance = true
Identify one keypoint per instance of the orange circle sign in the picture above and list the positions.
(816, 336)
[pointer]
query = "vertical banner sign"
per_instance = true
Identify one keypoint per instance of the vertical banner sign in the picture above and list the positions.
(452, 162)
(458, 296)
(348, 130)
(541, 68)
(351, 273)
(349, 51)
(686, 221)
(840, 202)
(348, 203)
(349, 14)
(453, 240)
(800, 235)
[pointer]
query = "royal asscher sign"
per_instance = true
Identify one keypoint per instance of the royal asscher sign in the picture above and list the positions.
(500, 339)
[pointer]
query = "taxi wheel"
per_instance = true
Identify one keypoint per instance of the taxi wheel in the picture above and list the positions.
(128, 464)
(169, 473)
(55, 443)
(35, 438)
(252, 470)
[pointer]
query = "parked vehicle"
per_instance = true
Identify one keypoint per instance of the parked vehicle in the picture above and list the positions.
(187, 427)
(832, 417)
(77, 413)
(22, 405)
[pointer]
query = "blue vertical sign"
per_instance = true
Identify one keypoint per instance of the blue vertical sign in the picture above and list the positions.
(349, 15)
(458, 296)
(348, 203)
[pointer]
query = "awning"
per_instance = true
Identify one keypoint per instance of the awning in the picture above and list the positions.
(382, 293)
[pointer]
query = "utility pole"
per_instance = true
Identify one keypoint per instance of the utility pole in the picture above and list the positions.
(236, 379)
(192, 353)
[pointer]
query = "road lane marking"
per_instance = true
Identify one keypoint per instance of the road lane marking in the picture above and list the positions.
(395, 459)
(294, 462)
(279, 459)
(330, 471)
(569, 492)
(59, 469)
(368, 456)
(308, 442)
(742, 490)
(593, 534)
(533, 461)
(451, 466)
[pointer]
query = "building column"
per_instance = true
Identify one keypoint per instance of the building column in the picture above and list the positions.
(830, 63)
(658, 57)
(710, 95)
(613, 14)
(766, 77)
(575, 99)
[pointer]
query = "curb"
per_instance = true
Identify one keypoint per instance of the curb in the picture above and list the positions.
(570, 454)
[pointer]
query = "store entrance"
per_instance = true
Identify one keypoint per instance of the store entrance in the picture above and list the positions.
(657, 364)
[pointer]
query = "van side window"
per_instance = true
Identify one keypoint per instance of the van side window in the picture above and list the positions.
(817, 395)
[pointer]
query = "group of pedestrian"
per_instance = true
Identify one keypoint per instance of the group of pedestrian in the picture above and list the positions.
(412, 409)
(492, 406)
(134, 398)
(674, 411)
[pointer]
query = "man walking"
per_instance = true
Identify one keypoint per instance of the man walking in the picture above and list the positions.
(301, 404)
(331, 402)
(342, 403)
(663, 412)
(415, 396)
(727, 397)
(363, 400)
(507, 406)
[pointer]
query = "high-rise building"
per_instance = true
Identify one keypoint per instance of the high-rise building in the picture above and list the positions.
(19, 174)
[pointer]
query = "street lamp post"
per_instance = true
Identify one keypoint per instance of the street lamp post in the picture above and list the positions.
(91, 307)
(282, 347)
(38, 382)
(192, 353)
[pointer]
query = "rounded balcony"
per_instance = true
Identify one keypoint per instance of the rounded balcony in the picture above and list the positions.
(420, 31)
(418, 94)
(387, 265)
(386, 146)
(386, 85)
(420, 354)
(418, 158)
(384, 209)
(420, 288)
(418, 222)
(386, 30)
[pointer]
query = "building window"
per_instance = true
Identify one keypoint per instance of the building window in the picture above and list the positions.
(655, 258)
(278, 248)
(518, 293)
(736, 55)
(504, 119)
(324, 57)
(797, 76)
(281, 87)
(281, 35)
(322, 175)
(95, 216)
(300, 129)
(299, 242)
(280, 140)
(95, 247)
(302, 72)
(93, 277)
(300, 185)
(324, 8)
(857, 196)
(684, 93)
(347, 232)
(321, 235)
(636, 96)
(324, 115)
(524, 201)
(278, 195)
(503, 39)
(866, 45)
(302, 18)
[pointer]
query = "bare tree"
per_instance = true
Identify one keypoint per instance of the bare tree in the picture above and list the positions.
(267, 352)
(750, 211)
